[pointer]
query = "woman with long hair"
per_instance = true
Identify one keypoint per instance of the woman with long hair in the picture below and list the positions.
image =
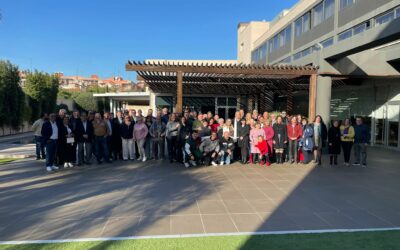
(172, 136)
(334, 142)
(320, 135)
(280, 139)
(243, 140)
(347, 138)
(254, 134)
(140, 132)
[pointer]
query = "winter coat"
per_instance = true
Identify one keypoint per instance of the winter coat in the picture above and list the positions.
(209, 145)
(172, 129)
(334, 140)
(254, 133)
(362, 134)
(294, 132)
(269, 137)
(157, 131)
(226, 144)
(280, 135)
(243, 131)
(307, 140)
(140, 131)
(263, 147)
(126, 132)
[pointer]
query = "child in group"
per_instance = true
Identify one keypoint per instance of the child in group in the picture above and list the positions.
(264, 152)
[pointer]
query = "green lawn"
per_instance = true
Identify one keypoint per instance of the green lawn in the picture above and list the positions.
(336, 241)
(6, 160)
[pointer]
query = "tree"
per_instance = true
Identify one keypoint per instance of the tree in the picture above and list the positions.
(42, 89)
(12, 98)
(86, 101)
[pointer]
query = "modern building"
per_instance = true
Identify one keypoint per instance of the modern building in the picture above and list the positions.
(355, 44)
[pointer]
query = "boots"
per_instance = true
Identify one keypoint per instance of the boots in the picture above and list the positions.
(331, 160)
(251, 159)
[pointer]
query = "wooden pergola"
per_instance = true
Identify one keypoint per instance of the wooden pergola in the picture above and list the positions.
(217, 78)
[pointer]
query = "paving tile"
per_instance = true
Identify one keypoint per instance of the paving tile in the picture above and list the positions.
(20, 229)
(338, 220)
(52, 229)
(309, 221)
(186, 224)
(121, 227)
(365, 219)
(184, 207)
(211, 207)
(231, 194)
(218, 223)
(86, 228)
(263, 205)
(277, 221)
(247, 222)
(252, 194)
(154, 225)
(238, 206)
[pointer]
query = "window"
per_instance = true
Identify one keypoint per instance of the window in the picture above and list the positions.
(359, 29)
(288, 34)
(306, 52)
(306, 22)
(385, 18)
(327, 42)
(297, 56)
(298, 26)
(345, 35)
(329, 8)
(318, 14)
(398, 12)
(346, 3)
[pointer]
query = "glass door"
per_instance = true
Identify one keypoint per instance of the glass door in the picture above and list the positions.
(393, 125)
(226, 107)
(380, 118)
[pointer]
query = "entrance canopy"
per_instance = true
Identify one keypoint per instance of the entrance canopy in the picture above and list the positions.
(226, 79)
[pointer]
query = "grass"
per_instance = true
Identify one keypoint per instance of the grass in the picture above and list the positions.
(6, 160)
(343, 241)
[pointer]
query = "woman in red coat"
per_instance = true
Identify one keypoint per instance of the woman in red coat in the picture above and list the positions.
(269, 134)
(264, 152)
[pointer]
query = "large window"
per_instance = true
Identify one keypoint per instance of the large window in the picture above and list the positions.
(359, 29)
(323, 11)
(385, 18)
(302, 24)
(329, 8)
(327, 43)
(281, 39)
(318, 14)
(398, 12)
(345, 35)
(346, 3)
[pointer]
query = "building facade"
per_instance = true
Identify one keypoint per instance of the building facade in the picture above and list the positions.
(355, 44)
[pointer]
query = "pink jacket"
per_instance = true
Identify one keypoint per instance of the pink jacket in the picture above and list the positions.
(254, 133)
(269, 137)
(140, 131)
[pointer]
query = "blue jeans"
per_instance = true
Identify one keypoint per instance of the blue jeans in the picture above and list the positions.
(39, 147)
(225, 157)
(101, 149)
(51, 148)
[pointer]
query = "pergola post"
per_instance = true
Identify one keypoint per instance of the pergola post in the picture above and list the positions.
(312, 100)
(179, 92)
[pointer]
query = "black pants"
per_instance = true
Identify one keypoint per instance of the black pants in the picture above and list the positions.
(208, 158)
(346, 145)
(244, 152)
(158, 143)
(172, 147)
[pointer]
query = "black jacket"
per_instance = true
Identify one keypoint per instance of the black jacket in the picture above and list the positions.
(280, 135)
(226, 144)
(334, 140)
(243, 132)
(127, 131)
(47, 131)
(80, 131)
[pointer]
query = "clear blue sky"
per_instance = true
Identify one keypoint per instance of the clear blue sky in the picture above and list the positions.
(98, 37)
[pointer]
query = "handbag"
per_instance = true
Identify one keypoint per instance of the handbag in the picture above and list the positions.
(70, 140)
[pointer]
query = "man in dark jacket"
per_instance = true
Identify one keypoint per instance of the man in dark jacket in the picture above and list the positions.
(116, 140)
(226, 145)
(361, 140)
(50, 137)
(84, 137)
(210, 149)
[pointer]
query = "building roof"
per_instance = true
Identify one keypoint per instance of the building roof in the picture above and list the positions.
(227, 78)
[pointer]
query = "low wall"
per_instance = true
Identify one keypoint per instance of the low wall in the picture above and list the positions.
(26, 127)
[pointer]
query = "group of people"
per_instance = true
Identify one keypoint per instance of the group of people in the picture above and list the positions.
(194, 139)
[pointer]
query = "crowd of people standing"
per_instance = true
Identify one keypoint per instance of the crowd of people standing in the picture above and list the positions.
(195, 139)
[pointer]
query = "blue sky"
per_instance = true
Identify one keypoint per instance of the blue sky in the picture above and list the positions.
(98, 37)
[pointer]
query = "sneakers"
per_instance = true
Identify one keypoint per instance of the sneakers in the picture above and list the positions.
(356, 164)
(139, 159)
(66, 165)
(214, 164)
(221, 163)
(193, 163)
(187, 164)
(144, 159)
(70, 165)
(267, 164)
(54, 167)
(364, 166)
(49, 169)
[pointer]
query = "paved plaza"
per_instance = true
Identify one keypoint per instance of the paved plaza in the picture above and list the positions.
(158, 198)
